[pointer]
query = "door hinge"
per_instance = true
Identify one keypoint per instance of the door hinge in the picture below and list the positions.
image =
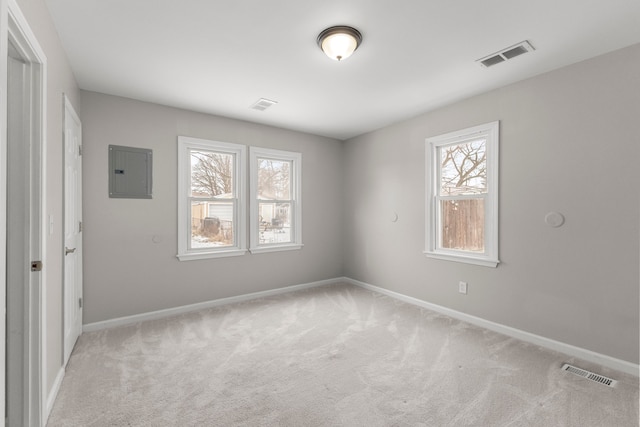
(79, 150)
(79, 226)
(36, 265)
(79, 302)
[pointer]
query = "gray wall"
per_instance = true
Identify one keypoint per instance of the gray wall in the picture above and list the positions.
(570, 142)
(60, 80)
(126, 273)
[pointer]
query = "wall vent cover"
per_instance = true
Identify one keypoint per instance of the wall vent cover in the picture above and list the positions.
(506, 54)
(589, 375)
(262, 104)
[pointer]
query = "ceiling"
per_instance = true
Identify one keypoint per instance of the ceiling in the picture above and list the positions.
(220, 57)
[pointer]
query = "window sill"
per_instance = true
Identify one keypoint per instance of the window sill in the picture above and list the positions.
(485, 262)
(276, 248)
(207, 255)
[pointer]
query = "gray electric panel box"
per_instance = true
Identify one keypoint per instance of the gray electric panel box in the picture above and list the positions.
(130, 172)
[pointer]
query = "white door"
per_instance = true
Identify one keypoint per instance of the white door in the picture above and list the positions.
(72, 228)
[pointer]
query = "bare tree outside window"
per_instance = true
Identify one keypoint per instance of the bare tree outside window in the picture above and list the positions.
(211, 207)
(463, 175)
(273, 179)
(464, 168)
(212, 173)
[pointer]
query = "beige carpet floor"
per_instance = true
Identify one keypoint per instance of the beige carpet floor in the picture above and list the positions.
(331, 356)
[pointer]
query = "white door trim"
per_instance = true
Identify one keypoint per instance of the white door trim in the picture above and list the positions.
(4, 41)
(16, 28)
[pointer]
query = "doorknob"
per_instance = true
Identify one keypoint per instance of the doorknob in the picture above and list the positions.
(68, 251)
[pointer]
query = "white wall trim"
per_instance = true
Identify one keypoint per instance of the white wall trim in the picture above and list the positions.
(53, 393)
(4, 37)
(570, 350)
(160, 314)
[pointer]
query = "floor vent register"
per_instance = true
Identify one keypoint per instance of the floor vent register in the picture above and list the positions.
(589, 375)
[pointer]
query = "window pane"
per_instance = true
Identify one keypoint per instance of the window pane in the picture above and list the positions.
(211, 174)
(274, 179)
(464, 168)
(274, 223)
(211, 224)
(463, 225)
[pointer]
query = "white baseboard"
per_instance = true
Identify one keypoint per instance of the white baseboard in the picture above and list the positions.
(160, 314)
(53, 393)
(571, 350)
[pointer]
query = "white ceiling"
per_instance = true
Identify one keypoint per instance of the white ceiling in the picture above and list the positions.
(220, 57)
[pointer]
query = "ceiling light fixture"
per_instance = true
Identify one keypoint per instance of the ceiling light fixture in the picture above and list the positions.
(339, 42)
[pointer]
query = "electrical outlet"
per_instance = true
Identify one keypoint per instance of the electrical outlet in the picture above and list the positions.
(462, 287)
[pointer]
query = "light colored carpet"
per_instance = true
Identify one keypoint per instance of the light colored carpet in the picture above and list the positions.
(331, 356)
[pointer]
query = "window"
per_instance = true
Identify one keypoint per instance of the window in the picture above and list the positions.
(462, 196)
(276, 210)
(211, 199)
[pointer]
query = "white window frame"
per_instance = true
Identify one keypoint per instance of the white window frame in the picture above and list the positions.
(185, 145)
(489, 258)
(296, 201)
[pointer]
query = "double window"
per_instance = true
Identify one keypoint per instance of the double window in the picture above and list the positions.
(212, 208)
(462, 195)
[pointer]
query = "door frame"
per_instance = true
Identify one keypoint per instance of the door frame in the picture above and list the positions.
(14, 27)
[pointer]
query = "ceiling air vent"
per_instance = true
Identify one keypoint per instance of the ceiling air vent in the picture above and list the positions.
(589, 375)
(262, 104)
(506, 54)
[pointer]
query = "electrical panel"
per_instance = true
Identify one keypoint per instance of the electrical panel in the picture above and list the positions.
(130, 172)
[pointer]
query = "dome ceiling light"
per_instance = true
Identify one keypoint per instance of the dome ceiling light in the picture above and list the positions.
(339, 42)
